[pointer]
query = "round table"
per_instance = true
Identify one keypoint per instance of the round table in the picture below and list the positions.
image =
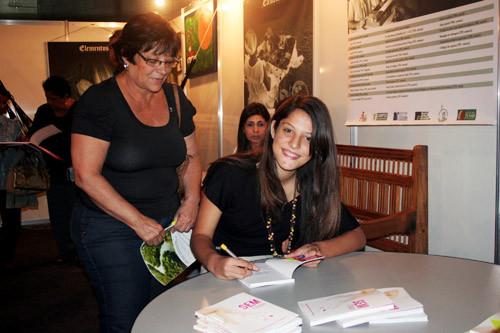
(457, 294)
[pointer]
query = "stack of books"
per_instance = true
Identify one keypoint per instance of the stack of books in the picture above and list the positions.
(246, 313)
(373, 306)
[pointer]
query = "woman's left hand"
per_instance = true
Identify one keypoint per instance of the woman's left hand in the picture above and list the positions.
(186, 215)
(307, 251)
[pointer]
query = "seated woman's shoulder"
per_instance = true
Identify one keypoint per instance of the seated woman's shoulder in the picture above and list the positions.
(228, 167)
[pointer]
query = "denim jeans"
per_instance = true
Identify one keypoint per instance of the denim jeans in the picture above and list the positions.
(60, 201)
(109, 251)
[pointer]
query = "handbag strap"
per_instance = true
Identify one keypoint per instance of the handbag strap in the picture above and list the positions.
(175, 87)
(177, 104)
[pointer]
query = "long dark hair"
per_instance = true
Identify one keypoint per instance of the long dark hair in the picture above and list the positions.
(246, 161)
(145, 32)
(251, 109)
(317, 180)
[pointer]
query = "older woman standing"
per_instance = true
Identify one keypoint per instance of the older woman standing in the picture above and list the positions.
(126, 144)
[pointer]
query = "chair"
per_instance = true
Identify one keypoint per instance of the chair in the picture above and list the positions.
(386, 190)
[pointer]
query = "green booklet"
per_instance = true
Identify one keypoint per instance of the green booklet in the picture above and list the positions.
(170, 258)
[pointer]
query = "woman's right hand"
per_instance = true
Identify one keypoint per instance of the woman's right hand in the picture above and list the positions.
(229, 268)
(150, 231)
(88, 155)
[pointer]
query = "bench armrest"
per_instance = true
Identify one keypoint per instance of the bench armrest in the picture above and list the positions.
(399, 223)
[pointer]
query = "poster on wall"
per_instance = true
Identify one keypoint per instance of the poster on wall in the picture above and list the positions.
(200, 27)
(422, 62)
(278, 46)
(82, 64)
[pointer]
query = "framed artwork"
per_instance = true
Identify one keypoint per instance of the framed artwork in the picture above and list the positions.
(278, 48)
(200, 33)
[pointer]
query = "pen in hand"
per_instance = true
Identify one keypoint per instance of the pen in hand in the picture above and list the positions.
(225, 248)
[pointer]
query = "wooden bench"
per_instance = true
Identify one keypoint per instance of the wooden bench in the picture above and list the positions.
(386, 190)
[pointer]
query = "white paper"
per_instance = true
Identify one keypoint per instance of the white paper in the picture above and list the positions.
(181, 241)
(275, 271)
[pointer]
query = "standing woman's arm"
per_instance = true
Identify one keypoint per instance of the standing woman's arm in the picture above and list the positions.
(187, 212)
(88, 155)
(202, 245)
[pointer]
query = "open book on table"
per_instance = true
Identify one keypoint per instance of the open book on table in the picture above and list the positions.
(170, 258)
(276, 271)
(490, 325)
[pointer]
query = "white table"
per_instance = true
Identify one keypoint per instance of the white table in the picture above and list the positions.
(457, 294)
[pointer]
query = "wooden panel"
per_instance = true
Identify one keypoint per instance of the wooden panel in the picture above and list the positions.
(377, 183)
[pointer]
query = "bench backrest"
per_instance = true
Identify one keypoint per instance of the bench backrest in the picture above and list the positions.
(380, 183)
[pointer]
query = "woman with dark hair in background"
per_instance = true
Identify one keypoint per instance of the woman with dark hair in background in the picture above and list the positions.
(58, 114)
(126, 144)
(252, 127)
(287, 199)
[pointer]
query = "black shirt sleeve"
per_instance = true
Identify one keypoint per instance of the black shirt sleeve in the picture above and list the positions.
(218, 185)
(92, 114)
(348, 222)
(187, 113)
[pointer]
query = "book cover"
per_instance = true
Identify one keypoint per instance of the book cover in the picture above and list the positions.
(344, 306)
(170, 258)
(490, 325)
(30, 145)
(276, 271)
(245, 313)
(405, 309)
(416, 318)
(44, 133)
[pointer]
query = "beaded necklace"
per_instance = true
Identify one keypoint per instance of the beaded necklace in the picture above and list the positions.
(270, 231)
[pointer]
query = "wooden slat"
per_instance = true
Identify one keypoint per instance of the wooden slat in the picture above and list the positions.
(378, 183)
(403, 180)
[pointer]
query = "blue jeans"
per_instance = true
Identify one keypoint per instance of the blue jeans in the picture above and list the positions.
(109, 251)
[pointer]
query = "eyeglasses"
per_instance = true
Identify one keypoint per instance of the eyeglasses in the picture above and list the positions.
(157, 63)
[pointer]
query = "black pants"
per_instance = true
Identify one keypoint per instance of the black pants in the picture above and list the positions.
(60, 200)
(9, 233)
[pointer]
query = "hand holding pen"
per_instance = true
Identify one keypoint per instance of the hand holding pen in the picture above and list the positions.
(231, 268)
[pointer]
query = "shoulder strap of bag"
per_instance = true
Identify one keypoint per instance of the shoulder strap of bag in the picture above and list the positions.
(177, 104)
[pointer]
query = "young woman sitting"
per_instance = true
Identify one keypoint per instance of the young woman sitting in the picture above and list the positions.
(284, 199)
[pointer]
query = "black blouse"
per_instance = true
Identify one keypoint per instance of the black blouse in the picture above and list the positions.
(242, 226)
